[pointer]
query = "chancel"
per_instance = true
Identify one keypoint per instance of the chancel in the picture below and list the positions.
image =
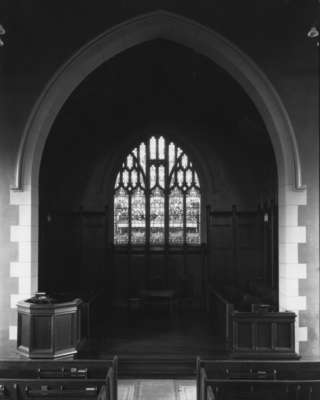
(159, 186)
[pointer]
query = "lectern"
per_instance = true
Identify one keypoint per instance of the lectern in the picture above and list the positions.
(48, 328)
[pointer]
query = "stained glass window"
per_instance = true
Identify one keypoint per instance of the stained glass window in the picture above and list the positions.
(157, 198)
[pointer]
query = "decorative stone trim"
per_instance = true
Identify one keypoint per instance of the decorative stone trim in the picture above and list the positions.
(25, 234)
(290, 270)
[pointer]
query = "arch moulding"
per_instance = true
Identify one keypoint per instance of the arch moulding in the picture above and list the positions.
(178, 29)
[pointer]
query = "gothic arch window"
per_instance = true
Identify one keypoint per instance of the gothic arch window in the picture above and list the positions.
(157, 197)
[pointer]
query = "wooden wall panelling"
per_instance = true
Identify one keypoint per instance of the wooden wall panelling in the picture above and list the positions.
(235, 243)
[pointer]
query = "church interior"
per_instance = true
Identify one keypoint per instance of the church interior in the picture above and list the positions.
(77, 217)
(159, 199)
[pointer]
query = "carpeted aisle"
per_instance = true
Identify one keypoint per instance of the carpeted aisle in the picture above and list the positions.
(157, 389)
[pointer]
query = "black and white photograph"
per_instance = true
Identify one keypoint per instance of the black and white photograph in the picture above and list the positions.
(159, 199)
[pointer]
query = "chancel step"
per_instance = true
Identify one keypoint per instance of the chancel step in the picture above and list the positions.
(162, 367)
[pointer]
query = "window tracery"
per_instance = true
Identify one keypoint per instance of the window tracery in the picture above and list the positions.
(157, 197)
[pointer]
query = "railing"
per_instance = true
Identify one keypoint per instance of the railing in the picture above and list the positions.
(92, 307)
(222, 310)
(89, 308)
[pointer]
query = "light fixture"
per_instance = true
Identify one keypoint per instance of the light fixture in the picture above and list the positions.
(313, 32)
(2, 32)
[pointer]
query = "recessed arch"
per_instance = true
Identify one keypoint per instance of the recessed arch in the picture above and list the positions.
(178, 29)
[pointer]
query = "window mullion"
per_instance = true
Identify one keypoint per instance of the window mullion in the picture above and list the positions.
(130, 218)
(166, 195)
(184, 218)
(148, 193)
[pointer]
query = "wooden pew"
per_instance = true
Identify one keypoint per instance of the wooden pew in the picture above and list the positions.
(227, 380)
(65, 380)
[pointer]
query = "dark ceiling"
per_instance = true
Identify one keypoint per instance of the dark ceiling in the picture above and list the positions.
(153, 84)
(160, 80)
(35, 26)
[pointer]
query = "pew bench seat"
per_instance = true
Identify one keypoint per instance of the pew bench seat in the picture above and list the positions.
(63, 380)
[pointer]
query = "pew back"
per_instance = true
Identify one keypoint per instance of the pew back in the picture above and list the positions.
(261, 380)
(70, 379)
(250, 389)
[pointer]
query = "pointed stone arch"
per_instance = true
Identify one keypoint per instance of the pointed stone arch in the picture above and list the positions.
(181, 30)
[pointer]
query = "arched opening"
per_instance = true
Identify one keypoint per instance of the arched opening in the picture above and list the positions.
(157, 198)
(180, 113)
(199, 38)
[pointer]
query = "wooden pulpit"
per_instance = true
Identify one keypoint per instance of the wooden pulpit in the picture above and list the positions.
(48, 329)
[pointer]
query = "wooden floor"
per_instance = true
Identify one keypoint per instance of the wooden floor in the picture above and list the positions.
(188, 333)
